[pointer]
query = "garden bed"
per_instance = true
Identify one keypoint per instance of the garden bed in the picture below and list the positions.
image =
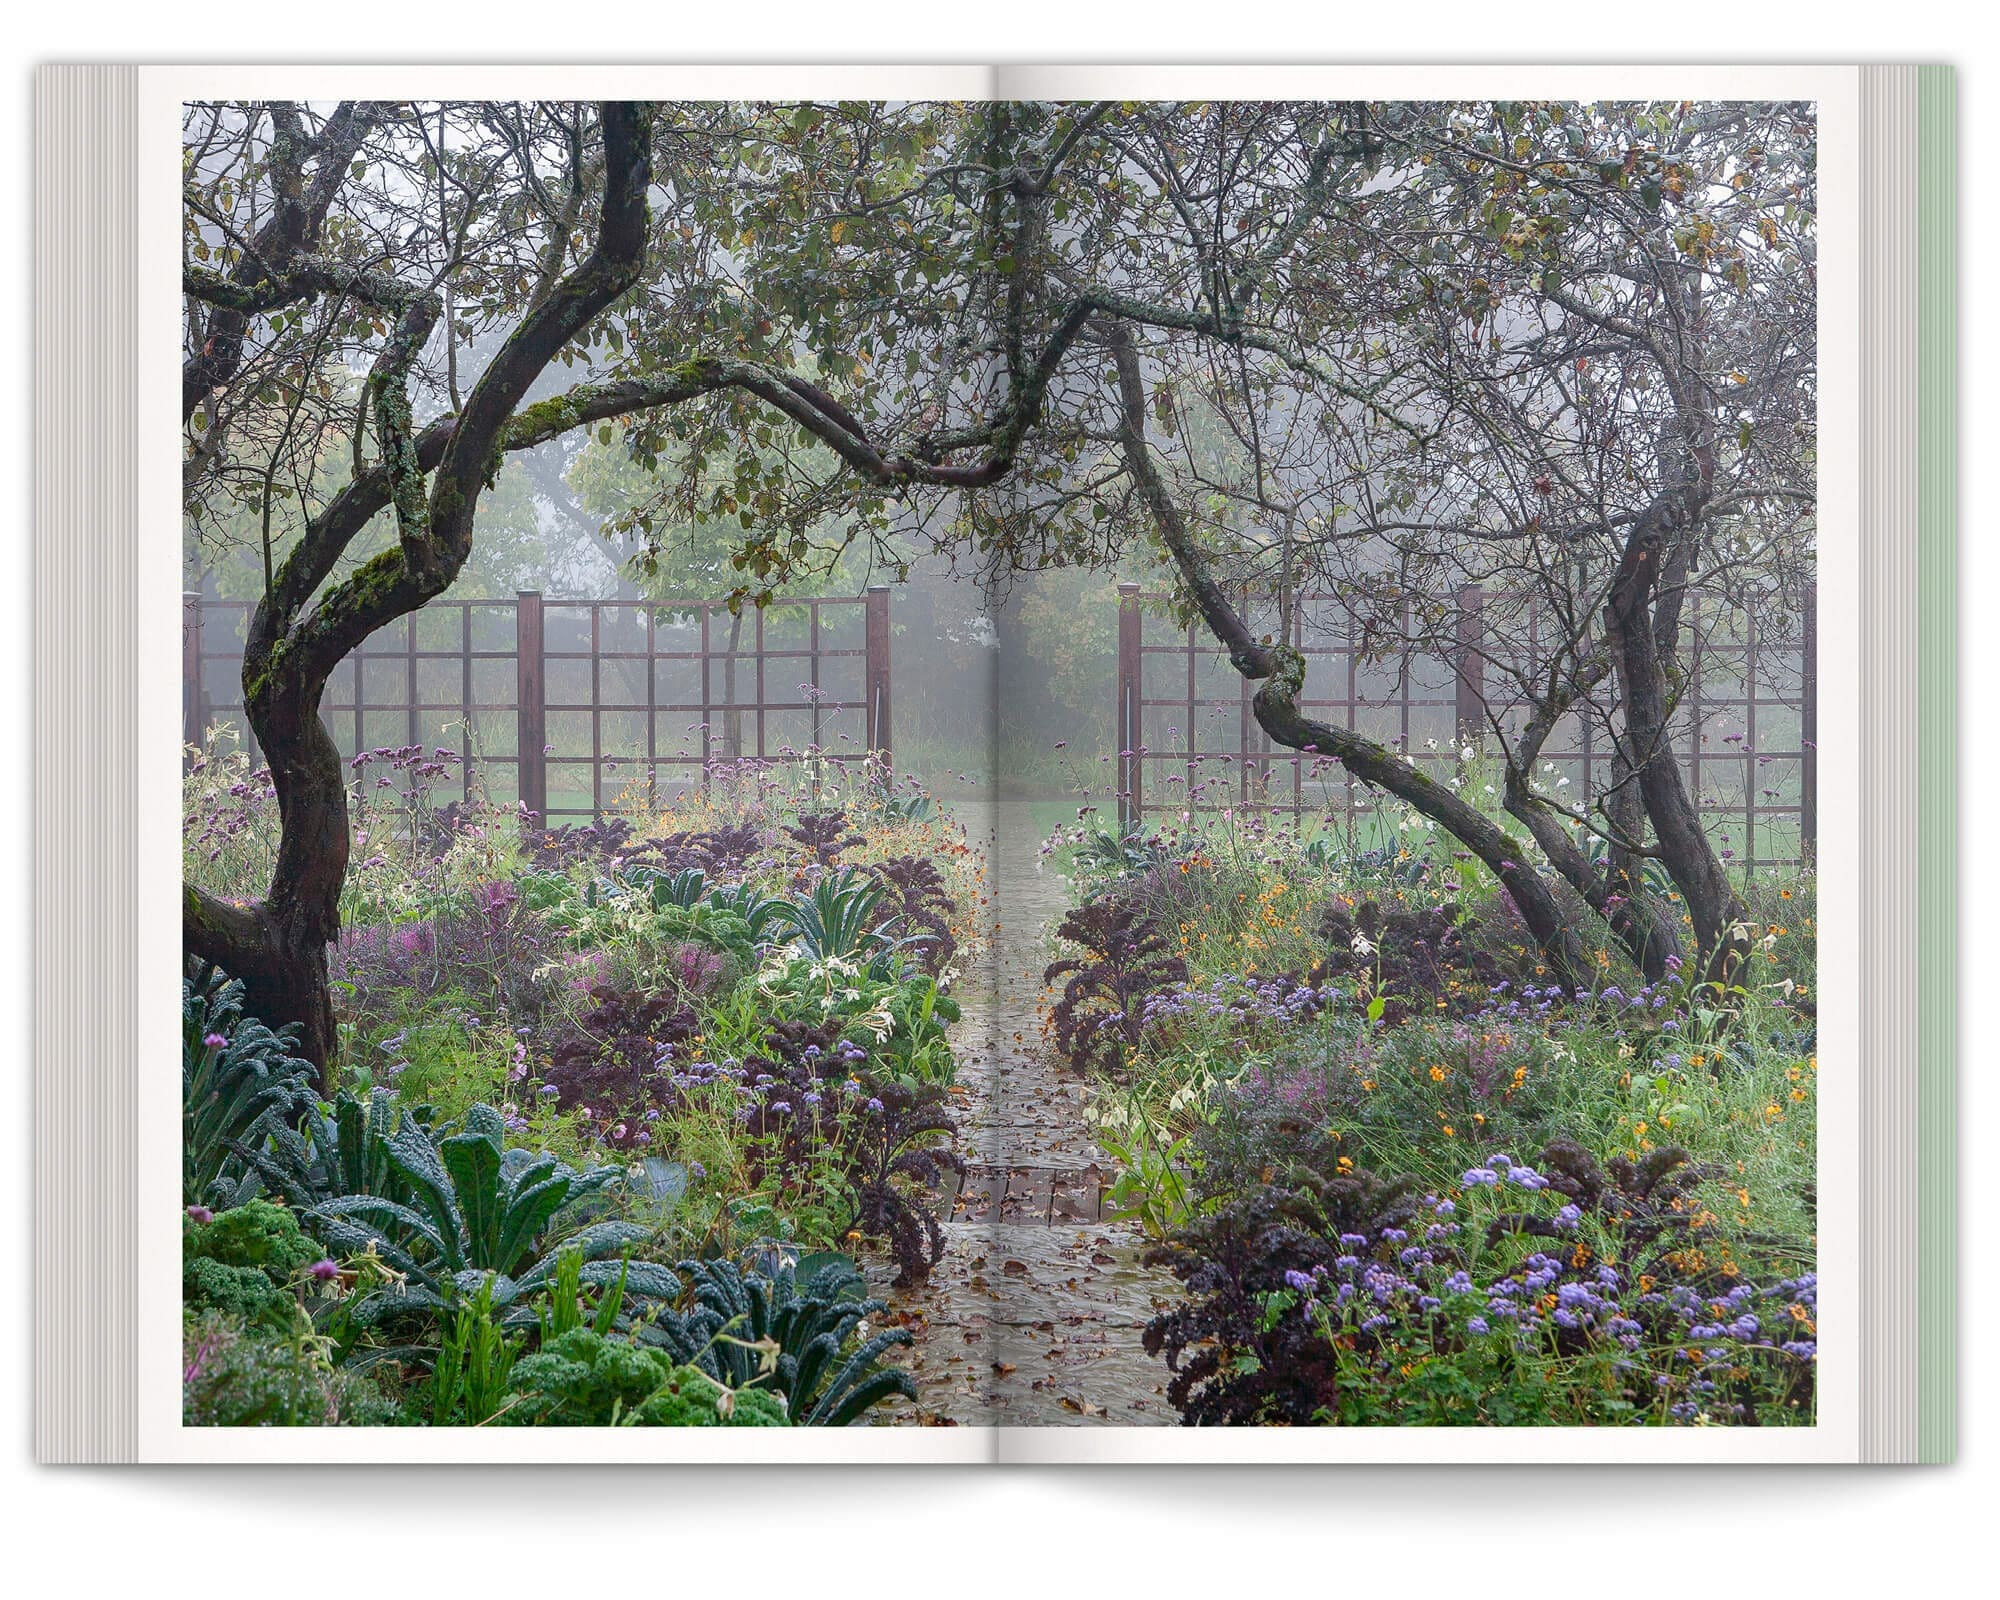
(620, 1113)
(1407, 1176)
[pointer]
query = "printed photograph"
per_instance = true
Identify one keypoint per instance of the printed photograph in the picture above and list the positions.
(999, 764)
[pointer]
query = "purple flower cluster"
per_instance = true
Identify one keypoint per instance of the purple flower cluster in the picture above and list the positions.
(1782, 1316)
(1502, 1169)
(759, 1090)
(216, 819)
(1698, 1345)
(1583, 1304)
(1526, 1002)
(1557, 1008)
(1240, 1000)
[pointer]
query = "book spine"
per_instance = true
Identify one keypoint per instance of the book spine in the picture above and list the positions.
(85, 1081)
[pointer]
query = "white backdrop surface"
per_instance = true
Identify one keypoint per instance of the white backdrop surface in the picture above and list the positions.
(1408, 1531)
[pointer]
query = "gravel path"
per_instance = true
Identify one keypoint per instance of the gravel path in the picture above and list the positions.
(1033, 1317)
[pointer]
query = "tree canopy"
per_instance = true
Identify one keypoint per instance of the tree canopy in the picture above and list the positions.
(1561, 352)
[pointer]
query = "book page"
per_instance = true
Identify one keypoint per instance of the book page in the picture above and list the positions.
(640, 797)
(1373, 925)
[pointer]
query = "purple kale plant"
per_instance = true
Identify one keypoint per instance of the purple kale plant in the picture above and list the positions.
(1101, 1012)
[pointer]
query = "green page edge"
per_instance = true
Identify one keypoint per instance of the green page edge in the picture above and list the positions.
(1937, 891)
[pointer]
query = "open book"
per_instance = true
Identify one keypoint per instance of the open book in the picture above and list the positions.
(996, 764)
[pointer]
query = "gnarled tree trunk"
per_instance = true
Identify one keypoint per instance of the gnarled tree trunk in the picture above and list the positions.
(1644, 607)
(279, 946)
(1279, 671)
(1639, 615)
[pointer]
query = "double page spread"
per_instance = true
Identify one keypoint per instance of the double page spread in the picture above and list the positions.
(1052, 764)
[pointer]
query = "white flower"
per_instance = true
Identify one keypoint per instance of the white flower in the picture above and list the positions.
(1468, 754)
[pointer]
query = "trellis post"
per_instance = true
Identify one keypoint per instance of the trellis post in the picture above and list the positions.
(1471, 664)
(191, 686)
(876, 673)
(531, 736)
(1125, 726)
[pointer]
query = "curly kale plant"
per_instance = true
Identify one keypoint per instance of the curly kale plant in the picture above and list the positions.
(717, 852)
(1643, 1201)
(556, 848)
(924, 906)
(814, 1101)
(825, 834)
(586, 1379)
(243, 1261)
(1235, 1364)
(1102, 1009)
(616, 1058)
(899, 1150)
(235, 1375)
(478, 1211)
(1408, 959)
(241, 1085)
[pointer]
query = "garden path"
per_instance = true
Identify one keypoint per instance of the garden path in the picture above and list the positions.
(1034, 1315)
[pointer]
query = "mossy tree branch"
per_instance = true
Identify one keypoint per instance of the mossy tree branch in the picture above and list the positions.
(1279, 671)
(298, 215)
(279, 946)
